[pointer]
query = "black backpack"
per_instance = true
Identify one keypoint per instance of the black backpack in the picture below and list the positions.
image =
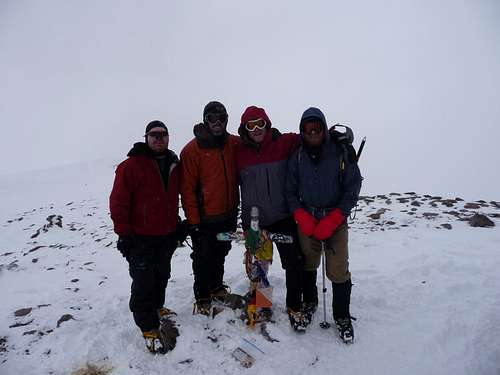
(344, 140)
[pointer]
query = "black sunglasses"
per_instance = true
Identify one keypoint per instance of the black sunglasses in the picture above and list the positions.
(158, 135)
(212, 118)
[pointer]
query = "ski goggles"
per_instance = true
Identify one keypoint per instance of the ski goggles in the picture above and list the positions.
(252, 125)
(158, 135)
(212, 118)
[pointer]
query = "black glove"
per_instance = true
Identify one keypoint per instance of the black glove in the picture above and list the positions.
(200, 238)
(125, 244)
(182, 231)
(195, 232)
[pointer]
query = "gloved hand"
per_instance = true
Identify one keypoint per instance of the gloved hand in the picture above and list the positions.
(194, 232)
(329, 224)
(307, 223)
(182, 231)
(201, 240)
(125, 244)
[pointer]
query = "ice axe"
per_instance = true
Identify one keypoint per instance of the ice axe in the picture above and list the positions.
(324, 324)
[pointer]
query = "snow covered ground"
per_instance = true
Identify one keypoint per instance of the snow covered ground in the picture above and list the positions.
(426, 294)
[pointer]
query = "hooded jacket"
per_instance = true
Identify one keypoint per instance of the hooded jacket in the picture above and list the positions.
(313, 176)
(209, 186)
(262, 170)
(140, 203)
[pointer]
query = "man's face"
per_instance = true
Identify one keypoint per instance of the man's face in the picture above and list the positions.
(256, 130)
(314, 133)
(217, 123)
(157, 139)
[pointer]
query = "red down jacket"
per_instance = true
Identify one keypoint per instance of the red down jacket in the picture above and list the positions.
(139, 202)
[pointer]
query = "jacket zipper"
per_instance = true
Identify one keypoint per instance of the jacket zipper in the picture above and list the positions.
(226, 179)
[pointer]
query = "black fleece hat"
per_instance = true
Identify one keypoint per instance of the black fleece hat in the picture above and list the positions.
(214, 107)
(155, 124)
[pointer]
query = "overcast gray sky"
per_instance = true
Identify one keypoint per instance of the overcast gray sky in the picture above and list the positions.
(80, 79)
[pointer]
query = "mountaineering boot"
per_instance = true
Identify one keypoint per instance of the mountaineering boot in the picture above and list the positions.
(154, 342)
(165, 313)
(265, 314)
(168, 328)
(341, 313)
(220, 293)
(223, 296)
(345, 330)
(308, 309)
(297, 320)
(202, 306)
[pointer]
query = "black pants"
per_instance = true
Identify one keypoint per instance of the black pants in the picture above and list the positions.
(209, 256)
(291, 261)
(149, 268)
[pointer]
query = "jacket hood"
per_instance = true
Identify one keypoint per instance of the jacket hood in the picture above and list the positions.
(205, 139)
(312, 113)
(252, 113)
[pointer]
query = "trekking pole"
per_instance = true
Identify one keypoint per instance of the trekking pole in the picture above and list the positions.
(324, 324)
(361, 147)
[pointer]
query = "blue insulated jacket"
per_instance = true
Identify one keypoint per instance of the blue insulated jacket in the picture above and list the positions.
(317, 187)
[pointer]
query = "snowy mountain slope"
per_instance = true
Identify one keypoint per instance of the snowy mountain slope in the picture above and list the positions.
(426, 297)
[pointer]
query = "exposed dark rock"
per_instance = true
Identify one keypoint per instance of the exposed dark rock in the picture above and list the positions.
(437, 197)
(403, 200)
(395, 194)
(64, 318)
(448, 202)
(479, 220)
(411, 193)
(23, 312)
(390, 222)
(376, 215)
(3, 344)
(388, 201)
(32, 332)
(446, 226)
(34, 260)
(430, 215)
(19, 324)
(34, 249)
(454, 213)
(8, 253)
(496, 204)
(416, 203)
(74, 280)
(458, 199)
(471, 205)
